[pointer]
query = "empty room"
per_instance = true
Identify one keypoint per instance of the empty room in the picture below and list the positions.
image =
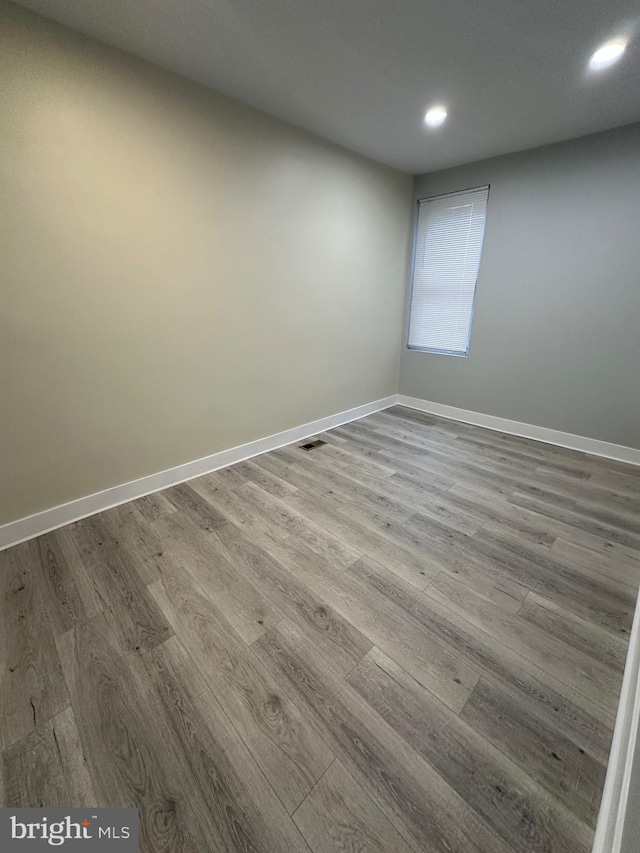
(320, 426)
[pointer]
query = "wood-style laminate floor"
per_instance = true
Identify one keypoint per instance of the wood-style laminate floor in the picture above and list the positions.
(411, 638)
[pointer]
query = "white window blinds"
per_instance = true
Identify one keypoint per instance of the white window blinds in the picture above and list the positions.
(445, 269)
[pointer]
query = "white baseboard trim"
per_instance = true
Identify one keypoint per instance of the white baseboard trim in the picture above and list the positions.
(631, 455)
(42, 522)
(624, 758)
(49, 519)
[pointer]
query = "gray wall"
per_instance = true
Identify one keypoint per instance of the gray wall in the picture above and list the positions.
(556, 331)
(179, 273)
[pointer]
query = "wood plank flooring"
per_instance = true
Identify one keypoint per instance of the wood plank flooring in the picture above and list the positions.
(409, 639)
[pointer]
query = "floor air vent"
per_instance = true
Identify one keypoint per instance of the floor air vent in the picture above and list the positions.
(313, 444)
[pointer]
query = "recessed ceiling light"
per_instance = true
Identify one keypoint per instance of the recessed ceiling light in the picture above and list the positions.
(607, 54)
(435, 116)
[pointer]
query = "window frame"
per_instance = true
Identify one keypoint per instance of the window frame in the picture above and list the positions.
(419, 201)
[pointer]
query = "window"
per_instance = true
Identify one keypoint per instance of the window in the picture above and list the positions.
(445, 269)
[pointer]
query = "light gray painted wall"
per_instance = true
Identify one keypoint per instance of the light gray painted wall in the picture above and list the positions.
(179, 273)
(556, 338)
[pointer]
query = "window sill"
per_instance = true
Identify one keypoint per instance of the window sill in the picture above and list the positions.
(439, 351)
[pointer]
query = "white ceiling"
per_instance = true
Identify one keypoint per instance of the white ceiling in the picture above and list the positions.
(513, 73)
